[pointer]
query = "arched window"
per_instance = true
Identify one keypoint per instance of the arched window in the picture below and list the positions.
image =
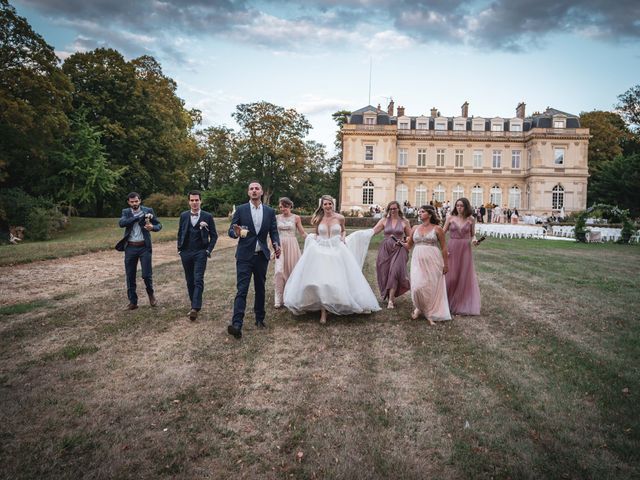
(557, 197)
(458, 192)
(367, 192)
(421, 196)
(496, 195)
(438, 193)
(514, 197)
(402, 193)
(476, 196)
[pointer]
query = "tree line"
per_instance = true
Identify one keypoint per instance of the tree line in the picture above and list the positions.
(78, 135)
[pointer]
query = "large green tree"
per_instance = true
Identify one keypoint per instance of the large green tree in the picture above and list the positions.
(217, 164)
(34, 101)
(271, 146)
(609, 132)
(86, 177)
(618, 183)
(629, 106)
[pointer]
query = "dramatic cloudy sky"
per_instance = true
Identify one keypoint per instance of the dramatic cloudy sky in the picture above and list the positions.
(315, 56)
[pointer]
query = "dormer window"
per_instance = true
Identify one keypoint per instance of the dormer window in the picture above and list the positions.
(369, 121)
(441, 125)
(403, 125)
(422, 126)
(515, 125)
(477, 125)
(497, 124)
(459, 126)
(558, 124)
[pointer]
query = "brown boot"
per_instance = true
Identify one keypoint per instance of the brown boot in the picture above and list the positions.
(152, 300)
(193, 315)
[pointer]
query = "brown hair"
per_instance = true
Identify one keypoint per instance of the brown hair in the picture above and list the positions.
(286, 201)
(433, 214)
(400, 214)
(318, 215)
(468, 211)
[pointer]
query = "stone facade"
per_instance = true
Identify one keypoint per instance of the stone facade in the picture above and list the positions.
(537, 164)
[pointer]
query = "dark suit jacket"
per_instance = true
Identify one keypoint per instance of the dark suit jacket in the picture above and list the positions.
(127, 220)
(209, 235)
(247, 246)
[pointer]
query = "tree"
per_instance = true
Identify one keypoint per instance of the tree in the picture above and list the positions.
(34, 100)
(630, 107)
(618, 183)
(216, 166)
(271, 145)
(87, 177)
(608, 132)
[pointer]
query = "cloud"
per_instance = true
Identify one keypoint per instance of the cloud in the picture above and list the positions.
(314, 105)
(509, 25)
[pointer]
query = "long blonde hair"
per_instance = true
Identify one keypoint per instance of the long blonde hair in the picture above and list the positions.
(318, 215)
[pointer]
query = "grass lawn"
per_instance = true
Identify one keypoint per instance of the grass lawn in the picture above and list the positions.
(84, 235)
(544, 384)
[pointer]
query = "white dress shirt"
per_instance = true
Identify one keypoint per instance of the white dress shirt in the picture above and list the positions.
(195, 216)
(256, 216)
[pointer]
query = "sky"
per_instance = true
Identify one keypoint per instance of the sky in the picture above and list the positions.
(321, 56)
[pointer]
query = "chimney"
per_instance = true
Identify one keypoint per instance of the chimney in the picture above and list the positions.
(465, 109)
(434, 112)
(390, 108)
(401, 111)
(520, 110)
(378, 107)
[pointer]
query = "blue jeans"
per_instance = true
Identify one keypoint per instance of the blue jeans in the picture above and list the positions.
(131, 257)
(194, 263)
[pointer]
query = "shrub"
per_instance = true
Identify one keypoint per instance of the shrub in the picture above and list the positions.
(167, 205)
(16, 205)
(42, 222)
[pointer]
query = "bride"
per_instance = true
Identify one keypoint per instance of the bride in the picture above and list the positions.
(328, 276)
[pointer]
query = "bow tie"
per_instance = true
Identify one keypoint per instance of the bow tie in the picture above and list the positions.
(195, 214)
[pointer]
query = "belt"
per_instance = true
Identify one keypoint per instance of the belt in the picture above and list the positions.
(136, 244)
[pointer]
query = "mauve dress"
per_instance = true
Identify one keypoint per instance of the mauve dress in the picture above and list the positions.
(391, 263)
(289, 256)
(428, 286)
(462, 282)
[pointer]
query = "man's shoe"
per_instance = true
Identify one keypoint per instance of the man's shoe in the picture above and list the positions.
(193, 314)
(236, 332)
(132, 306)
(260, 324)
(152, 300)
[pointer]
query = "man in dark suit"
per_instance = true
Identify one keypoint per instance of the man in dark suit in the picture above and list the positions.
(251, 223)
(196, 238)
(138, 222)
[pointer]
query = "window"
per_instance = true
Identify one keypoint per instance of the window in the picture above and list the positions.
(478, 125)
(476, 196)
(422, 126)
(497, 159)
(516, 127)
(402, 157)
(459, 126)
(402, 193)
(528, 158)
(421, 196)
(557, 197)
(441, 125)
(514, 197)
(368, 153)
(558, 156)
(459, 158)
(496, 195)
(477, 159)
(497, 127)
(367, 192)
(369, 120)
(438, 193)
(440, 157)
(404, 126)
(558, 124)
(458, 192)
(515, 159)
(422, 157)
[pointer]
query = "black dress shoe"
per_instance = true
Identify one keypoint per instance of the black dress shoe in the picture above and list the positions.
(132, 306)
(193, 314)
(236, 332)
(260, 324)
(152, 300)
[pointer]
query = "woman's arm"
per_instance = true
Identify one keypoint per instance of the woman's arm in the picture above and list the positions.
(473, 232)
(446, 224)
(409, 243)
(443, 248)
(379, 226)
(343, 231)
(299, 227)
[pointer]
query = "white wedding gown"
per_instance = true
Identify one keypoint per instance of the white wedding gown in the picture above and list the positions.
(329, 276)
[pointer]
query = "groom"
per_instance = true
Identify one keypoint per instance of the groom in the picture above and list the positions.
(251, 223)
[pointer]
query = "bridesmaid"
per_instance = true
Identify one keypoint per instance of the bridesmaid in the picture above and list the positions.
(429, 264)
(462, 283)
(288, 223)
(391, 263)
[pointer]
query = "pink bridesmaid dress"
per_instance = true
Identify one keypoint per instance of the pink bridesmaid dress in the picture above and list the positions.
(428, 286)
(462, 282)
(288, 258)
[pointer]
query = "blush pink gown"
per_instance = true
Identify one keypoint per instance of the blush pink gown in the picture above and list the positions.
(428, 286)
(462, 283)
(288, 257)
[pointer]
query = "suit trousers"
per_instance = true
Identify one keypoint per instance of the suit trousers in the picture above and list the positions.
(194, 263)
(131, 257)
(256, 266)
